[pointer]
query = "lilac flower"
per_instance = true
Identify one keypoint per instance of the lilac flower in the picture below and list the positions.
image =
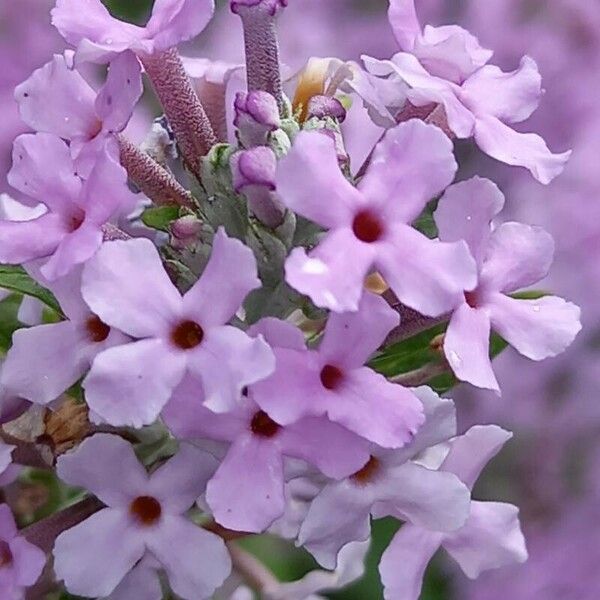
(447, 66)
(391, 483)
(491, 537)
(126, 286)
(99, 37)
(57, 99)
(141, 583)
(144, 515)
(510, 257)
(259, 446)
(21, 563)
(332, 380)
(46, 360)
(70, 232)
(369, 225)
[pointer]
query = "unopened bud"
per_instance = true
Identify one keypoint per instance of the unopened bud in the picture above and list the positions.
(256, 116)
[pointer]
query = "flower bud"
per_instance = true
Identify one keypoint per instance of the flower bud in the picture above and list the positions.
(322, 107)
(271, 7)
(185, 231)
(256, 115)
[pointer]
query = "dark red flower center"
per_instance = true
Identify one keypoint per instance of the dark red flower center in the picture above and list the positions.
(367, 227)
(187, 335)
(471, 299)
(6, 556)
(367, 473)
(76, 221)
(146, 510)
(97, 330)
(263, 426)
(331, 377)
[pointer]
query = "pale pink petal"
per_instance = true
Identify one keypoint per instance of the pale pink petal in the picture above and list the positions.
(28, 561)
(403, 564)
(538, 329)
(57, 99)
(491, 539)
(106, 466)
(126, 286)
(465, 212)
(279, 334)
(93, 557)
(333, 274)
(246, 493)
(510, 97)
(351, 338)
(405, 24)
(526, 150)
(130, 384)
(44, 361)
(201, 563)
(310, 183)
(229, 276)
(467, 347)
(426, 275)
(517, 256)
(141, 583)
(411, 165)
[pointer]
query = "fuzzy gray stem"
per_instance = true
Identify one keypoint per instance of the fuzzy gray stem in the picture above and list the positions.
(187, 117)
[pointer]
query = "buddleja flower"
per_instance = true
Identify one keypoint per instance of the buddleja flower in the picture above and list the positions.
(126, 285)
(447, 66)
(144, 515)
(99, 37)
(70, 231)
(21, 562)
(57, 99)
(510, 257)
(491, 537)
(369, 225)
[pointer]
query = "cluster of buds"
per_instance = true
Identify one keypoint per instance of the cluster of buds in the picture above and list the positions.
(246, 332)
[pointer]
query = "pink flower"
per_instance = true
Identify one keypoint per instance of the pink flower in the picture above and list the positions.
(126, 286)
(447, 66)
(57, 99)
(332, 380)
(70, 231)
(144, 516)
(509, 257)
(491, 537)
(99, 37)
(369, 226)
(391, 483)
(21, 563)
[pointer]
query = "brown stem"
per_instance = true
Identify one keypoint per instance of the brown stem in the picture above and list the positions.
(420, 376)
(28, 454)
(187, 117)
(152, 179)
(254, 573)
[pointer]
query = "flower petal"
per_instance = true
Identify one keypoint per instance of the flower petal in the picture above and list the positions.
(278, 334)
(310, 183)
(517, 256)
(491, 539)
(28, 561)
(196, 561)
(106, 466)
(129, 385)
(44, 361)
(141, 583)
(116, 285)
(426, 275)
(351, 338)
(256, 499)
(411, 165)
(333, 274)
(229, 276)
(57, 99)
(538, 329)
(403, 564)
(467, 347)
(405, 23)
(465, 212)
(93, 557)
(526, 150)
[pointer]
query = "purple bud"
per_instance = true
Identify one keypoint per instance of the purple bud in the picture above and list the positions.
(269, 6)
(253, 173)
(326, 106)
(185, 231)
(256, 115)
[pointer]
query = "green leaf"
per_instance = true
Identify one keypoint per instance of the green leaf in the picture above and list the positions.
(160, 217)
(425, 222)
(9, 322)
(15, 279)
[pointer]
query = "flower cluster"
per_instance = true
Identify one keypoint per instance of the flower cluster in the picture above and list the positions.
(230, 349)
